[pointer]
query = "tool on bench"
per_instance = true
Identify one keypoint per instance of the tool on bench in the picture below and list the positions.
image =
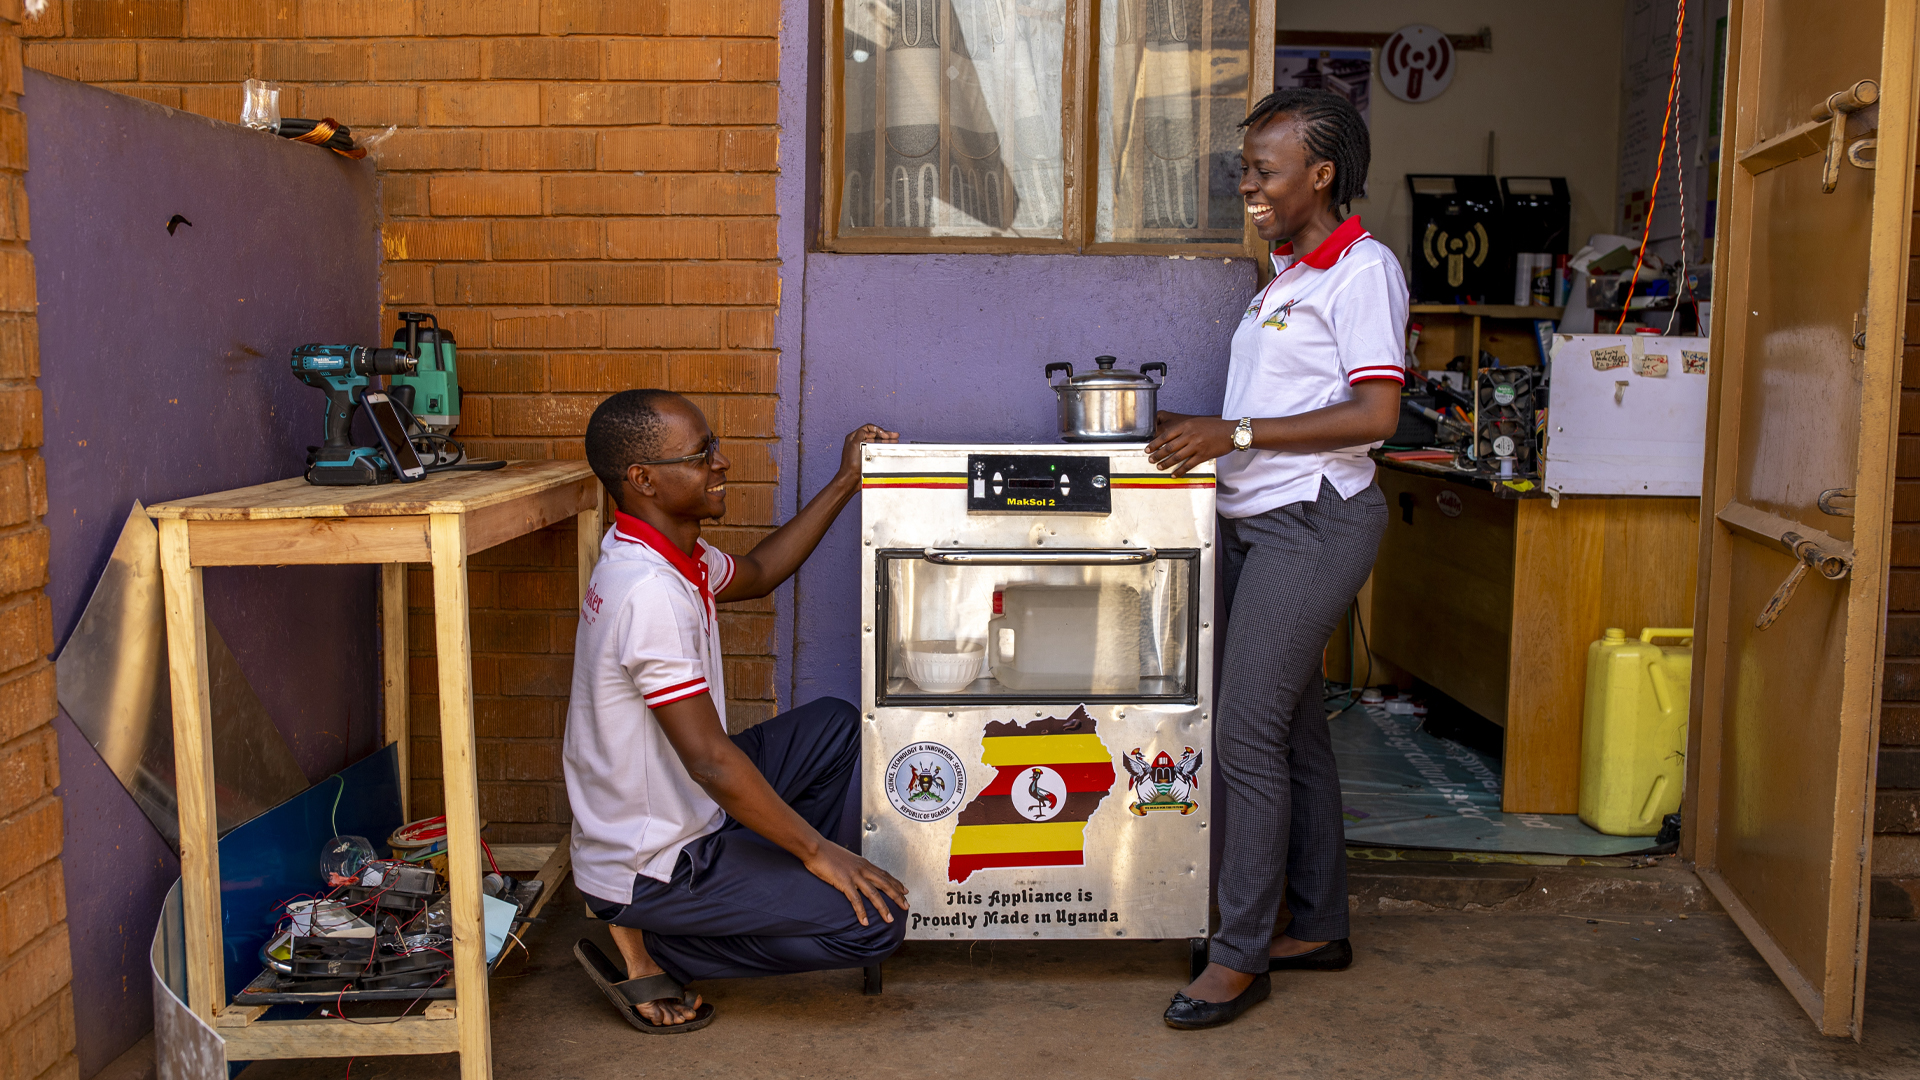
(431, 391)
(411, 443)
(344, 373)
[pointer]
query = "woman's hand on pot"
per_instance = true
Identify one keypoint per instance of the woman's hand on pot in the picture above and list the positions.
(1182, 443)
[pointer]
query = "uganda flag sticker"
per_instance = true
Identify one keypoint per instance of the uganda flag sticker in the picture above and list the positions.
(1049, 778)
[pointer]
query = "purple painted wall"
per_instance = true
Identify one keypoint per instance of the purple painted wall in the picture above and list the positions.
(949, 348)
(163, 373)
(945, 348)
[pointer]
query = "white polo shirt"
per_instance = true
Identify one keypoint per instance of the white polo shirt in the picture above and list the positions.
(649, 636)
(1329, 319)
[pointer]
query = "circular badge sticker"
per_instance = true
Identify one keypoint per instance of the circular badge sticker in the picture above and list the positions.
(925, 781)
(1449, 503)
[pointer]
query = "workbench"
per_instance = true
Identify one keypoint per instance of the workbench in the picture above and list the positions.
(1491, 592)
(441, 521)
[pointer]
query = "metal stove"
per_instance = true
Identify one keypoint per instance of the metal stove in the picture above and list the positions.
(1036, 664)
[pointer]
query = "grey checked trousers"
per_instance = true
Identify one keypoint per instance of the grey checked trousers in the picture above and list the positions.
(1288, 576)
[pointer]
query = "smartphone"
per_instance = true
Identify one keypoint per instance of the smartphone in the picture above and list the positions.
(393, 436)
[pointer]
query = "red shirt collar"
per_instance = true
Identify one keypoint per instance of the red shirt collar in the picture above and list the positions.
(1349, 233)
(632, 530)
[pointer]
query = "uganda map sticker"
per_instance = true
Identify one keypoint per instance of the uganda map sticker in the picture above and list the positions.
(1163, 785)
(925, 781)
(1049, 778)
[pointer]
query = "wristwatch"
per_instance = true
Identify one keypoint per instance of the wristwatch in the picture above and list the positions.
(1243, 434)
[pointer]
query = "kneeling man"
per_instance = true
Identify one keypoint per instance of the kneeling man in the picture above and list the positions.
(708, 854)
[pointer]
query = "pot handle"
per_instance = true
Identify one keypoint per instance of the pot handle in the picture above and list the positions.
(1155, 365)
(1062, 365)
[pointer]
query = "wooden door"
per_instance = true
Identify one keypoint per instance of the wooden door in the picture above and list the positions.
(1807, 335)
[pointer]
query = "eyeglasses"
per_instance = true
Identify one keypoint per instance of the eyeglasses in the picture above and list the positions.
(710, 451)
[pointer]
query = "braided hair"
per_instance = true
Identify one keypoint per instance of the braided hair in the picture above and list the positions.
(1332, 130)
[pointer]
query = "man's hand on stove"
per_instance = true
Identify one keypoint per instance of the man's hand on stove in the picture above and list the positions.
(850, 450)
(774, 559)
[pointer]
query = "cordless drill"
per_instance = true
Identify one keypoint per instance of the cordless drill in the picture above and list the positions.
(343, 373)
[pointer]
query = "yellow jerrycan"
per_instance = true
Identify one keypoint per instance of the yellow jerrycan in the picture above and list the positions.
(1633, 742)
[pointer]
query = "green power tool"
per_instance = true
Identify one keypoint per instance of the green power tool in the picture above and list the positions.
(431, 391)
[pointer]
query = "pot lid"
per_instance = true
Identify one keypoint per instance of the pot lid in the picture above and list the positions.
(1107, 376)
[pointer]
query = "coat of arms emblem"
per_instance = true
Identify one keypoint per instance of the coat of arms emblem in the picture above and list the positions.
(1164, 784)
(925, 781)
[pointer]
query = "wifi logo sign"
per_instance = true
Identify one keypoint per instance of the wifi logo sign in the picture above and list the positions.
(1416, 63)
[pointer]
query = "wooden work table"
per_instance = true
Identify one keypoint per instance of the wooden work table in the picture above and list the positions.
(1491, 592)
(441, 520)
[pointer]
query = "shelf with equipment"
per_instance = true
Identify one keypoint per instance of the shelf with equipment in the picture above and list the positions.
(439, 521)
(1450, 330)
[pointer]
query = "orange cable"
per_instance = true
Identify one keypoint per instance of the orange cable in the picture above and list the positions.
(1660, 162)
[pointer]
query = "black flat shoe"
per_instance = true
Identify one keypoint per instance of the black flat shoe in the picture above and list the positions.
(1333, 956)
(1190, 1015)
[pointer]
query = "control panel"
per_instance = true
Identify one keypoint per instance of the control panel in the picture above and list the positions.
(1037, 484)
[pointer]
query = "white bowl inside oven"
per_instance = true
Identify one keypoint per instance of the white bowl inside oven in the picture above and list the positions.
(944, 667)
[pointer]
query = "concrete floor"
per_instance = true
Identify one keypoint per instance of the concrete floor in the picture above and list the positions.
(1438, 994)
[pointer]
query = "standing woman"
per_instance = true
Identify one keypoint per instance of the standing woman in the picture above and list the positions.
(1313, 383)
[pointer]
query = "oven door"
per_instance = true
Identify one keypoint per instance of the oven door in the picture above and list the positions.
(977, 626)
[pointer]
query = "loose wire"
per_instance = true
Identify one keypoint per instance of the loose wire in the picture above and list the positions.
(1682, 287)
(1659, 165)
(334, 818)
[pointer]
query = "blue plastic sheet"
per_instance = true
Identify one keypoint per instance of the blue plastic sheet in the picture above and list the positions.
(1403, 788)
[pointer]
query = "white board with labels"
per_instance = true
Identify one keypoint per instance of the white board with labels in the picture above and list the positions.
(1627, 415)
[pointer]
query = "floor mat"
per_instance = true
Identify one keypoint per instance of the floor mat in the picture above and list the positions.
(1403, 788)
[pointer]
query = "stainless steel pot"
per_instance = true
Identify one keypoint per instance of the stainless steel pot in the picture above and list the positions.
(1107, 404)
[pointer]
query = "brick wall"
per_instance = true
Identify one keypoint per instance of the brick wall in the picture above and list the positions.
(582, 191)
(36, 1008)
(1896, 818)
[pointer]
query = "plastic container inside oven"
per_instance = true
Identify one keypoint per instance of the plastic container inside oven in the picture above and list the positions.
(1066, 637)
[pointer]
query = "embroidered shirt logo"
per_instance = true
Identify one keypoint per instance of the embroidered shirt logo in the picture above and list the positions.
(1278, 320)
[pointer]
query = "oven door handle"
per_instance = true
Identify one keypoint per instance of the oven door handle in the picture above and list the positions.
(1054, 557)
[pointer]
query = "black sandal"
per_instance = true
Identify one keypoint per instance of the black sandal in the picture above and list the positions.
(628, 994)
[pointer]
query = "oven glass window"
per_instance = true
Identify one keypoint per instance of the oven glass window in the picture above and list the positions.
(1036, 632)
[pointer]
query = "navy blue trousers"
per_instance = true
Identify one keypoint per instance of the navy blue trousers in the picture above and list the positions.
(740, 905)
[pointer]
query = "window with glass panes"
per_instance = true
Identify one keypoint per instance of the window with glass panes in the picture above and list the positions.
(961, 124)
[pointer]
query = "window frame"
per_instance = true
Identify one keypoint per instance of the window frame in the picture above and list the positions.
(1080, 145)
